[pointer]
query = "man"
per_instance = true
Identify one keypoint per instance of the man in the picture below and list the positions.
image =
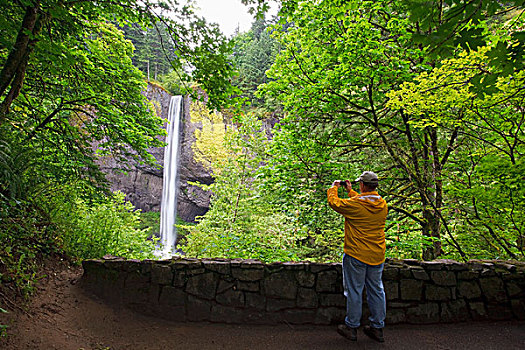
(364, 253)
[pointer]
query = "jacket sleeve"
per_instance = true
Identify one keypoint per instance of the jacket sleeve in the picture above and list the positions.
(342, 206)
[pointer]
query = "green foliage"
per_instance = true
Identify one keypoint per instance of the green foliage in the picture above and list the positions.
(172, 82)
(24, 239)
(363, 89)
(3, 327)
(445, 27)
(253, 54)
(25, 230)
(153, 49)
(45, 213)
(240, 222)
(150, 222)
(484, 192)
(338, 78)
(92, 229)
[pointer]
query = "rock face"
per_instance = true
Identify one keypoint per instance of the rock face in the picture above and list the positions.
(143, 185)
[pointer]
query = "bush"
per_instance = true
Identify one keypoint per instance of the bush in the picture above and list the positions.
(89, 230)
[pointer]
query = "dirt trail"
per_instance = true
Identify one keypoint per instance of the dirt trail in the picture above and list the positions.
(62, 316)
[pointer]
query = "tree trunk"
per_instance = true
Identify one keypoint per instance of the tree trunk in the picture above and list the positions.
(431, 229)
(13, 72)
(18, 52)
(433, 194)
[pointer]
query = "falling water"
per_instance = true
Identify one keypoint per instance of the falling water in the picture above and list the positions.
(170, 188)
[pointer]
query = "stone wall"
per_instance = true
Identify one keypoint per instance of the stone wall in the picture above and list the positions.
(248, 291)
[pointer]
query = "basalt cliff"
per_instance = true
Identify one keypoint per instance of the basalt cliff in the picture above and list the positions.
(143, 185)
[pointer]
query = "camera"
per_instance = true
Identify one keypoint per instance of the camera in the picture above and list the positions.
(343, 183)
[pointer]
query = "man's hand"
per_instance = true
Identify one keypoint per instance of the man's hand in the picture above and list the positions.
(347, 185)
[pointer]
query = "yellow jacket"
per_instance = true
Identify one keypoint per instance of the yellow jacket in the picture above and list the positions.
(365, 216)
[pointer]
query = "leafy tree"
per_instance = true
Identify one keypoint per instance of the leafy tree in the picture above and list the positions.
(484, 179)
(240, 222)
(210, 140)
(443, 26)
(339, 62)
(42, 25)
(253, 54)
(153, 51)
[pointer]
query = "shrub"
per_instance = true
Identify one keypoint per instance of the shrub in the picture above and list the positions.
(109, 225)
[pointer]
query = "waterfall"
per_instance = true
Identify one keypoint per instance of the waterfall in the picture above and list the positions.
(170, 186)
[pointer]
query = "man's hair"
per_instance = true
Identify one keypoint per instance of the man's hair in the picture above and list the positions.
(370, 185)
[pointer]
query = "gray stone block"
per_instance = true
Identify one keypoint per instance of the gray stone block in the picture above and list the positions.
(469, 289)
(203, 286)
(305, 279)
(231, 297)
(135, 277)
(222, 267)
(405, 273)
(411, 290)
(281, 285)
(327, 281)
(225, 285)
(395, 316)
(420, 274)
(316, 268)
(161, 274)
(454, 311)
(433, 265)
(338, 300)
(307, 298)
(273, 305)
(477, 311)
(443, 278)
(179, 278)
(141, 293)
(391, 290)
(515, 289)
(437, 293)
(255, 301)
(245, 274)
(493, 289)
(518, 308)
(330, 315)
(468, 275)
(252, 264)
(423, 313)
(291, 265)
(499, 311)
(172, 296)
(195, 271)
(391, 274)
(249, 286)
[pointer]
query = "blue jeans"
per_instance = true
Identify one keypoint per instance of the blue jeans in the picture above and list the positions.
(356, 275)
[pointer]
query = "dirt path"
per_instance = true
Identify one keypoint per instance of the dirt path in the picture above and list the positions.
(63, 316)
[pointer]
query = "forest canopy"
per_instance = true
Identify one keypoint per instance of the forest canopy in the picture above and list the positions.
(427, 94)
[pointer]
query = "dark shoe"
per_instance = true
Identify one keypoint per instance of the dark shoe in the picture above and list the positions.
(374, 333)
(347, 332)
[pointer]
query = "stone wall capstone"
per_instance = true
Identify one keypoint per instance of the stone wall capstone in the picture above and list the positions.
(249, 291)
